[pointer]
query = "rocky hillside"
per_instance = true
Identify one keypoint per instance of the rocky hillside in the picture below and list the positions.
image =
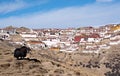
(50, 63)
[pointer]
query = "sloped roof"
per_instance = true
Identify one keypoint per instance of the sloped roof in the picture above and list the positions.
(35, 42)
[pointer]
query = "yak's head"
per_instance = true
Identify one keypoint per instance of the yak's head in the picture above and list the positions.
(27, 49)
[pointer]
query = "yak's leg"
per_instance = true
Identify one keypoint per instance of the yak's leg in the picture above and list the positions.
(17, 58)
(21, 57)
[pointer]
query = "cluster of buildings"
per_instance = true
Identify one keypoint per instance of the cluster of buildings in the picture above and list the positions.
(84, 39)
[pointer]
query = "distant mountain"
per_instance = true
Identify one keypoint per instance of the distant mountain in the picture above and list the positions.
(9, 28)
(16, 29)
(23, 29)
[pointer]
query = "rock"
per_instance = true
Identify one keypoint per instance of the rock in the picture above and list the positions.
(47, 65)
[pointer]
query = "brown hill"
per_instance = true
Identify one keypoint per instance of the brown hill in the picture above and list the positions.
(47, 63)
(23, 29)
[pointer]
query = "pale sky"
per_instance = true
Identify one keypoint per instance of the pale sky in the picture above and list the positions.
(58, 13)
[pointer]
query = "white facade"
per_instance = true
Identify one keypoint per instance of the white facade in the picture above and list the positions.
(114, 42)
(91, 39)
(4, 36)
(104, 46)
(51, 43)
(33, 35)
(91, 51)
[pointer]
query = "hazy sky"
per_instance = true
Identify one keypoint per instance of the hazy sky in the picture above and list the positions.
(58, 13)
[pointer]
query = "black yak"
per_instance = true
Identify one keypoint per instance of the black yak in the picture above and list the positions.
(20, 53)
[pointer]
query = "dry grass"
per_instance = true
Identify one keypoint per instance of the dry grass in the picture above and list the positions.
(50, 63)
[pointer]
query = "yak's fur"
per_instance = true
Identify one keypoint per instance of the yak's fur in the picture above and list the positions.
(20, 53)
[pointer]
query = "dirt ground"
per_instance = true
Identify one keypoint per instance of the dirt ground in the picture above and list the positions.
(51, 63)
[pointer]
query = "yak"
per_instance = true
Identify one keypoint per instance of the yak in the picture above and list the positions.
(20, 53)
